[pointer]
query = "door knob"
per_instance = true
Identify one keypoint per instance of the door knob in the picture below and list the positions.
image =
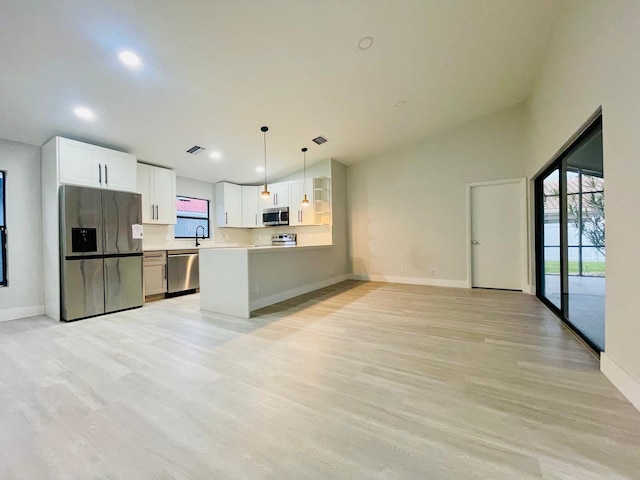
(474, 242)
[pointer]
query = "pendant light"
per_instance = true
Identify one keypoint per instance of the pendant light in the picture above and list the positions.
(305, 201)
(265, 192)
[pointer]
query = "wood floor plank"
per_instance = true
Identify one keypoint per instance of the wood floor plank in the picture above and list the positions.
(359, 380)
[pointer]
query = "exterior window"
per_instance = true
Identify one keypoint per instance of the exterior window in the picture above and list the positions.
(3, 232)
(191, 213)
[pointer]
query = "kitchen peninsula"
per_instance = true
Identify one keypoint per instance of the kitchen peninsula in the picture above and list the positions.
(237, 281)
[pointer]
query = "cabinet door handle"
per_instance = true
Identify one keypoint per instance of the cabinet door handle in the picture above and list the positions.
(106, 174)
(153, 214)
(165, 271)
(256, 219)
(100, 173)
(157, 214)
(226, 218)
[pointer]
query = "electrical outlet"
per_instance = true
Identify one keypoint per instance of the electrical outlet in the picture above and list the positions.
(331, 271)
(256, 289)
(167, 236)
(402, 269)
(432, 273)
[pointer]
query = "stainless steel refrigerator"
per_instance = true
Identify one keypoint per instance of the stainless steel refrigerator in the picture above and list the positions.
(101, 261)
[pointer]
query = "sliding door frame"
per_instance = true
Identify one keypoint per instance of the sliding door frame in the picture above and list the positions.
(595, 121)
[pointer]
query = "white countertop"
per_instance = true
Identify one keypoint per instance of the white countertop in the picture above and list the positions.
(191, 245)
(269, 248)
(230, 246)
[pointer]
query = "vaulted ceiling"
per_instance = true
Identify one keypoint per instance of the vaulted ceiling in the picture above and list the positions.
(214, 72)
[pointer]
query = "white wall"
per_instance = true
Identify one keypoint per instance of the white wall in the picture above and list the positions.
(595, 61)
(23, 296)
(407, 208)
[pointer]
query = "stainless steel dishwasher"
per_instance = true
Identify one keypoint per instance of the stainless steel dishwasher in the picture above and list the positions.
(183, 271)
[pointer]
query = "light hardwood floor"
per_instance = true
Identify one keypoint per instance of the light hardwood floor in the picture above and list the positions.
(359, 380)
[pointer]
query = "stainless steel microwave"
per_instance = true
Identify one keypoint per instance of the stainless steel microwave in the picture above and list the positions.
(275, 216)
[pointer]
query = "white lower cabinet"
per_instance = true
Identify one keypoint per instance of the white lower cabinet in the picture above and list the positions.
(155, 273)
(251, 207)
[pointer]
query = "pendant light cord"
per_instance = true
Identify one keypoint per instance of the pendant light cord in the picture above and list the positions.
(264, 136)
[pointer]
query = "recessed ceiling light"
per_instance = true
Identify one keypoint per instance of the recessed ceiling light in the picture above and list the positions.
(215, 155)
(365, 43)
(130, 59)
(84, 113)
(401, 103)
(259, 169)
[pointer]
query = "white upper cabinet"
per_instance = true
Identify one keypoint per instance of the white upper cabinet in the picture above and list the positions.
(79, 163)
(92, 166)
(164, 183)
(158, 189)
(279, 195)
(120, 171)
(228, 205)
(242, 205)
(251, 207)
(299, 214)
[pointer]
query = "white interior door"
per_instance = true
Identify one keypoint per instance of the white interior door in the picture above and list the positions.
(496, 236)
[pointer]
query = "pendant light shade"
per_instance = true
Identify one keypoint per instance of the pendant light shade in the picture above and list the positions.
(265, 192)
(305, 200)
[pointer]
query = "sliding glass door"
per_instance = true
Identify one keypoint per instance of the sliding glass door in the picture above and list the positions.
(570, 240)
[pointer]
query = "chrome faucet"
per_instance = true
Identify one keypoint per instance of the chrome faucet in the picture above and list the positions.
(197, 242)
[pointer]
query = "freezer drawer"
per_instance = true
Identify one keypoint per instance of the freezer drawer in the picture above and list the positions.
(123, 283)
(82, 288)
(183, 272)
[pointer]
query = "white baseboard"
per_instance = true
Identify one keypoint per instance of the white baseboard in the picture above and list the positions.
(21, 312)
(281, 297)
(436, 282)
(624, 382)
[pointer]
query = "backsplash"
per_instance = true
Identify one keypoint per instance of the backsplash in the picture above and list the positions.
(161, 236)
(307, 235)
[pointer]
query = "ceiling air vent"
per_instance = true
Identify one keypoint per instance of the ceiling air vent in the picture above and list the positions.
(195, 150)
(320, 140)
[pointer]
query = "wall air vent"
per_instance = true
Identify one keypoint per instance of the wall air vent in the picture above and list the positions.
(320, 140)
(195, 150)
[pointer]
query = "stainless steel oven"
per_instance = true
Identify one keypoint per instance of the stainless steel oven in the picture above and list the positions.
(275, 216)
